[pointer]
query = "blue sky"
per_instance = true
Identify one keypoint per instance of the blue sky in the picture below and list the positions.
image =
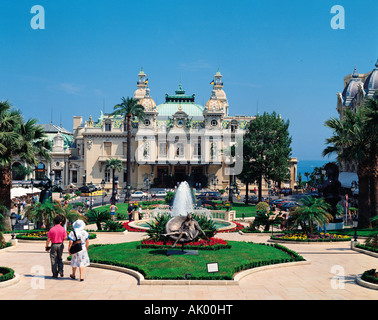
(278, 55)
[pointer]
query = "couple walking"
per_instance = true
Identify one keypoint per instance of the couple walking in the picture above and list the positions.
(56, 237)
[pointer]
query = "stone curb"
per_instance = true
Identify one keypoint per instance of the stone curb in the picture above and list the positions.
(307, 242)
(365, 283)
(237, 277)
(10, 282)
(373, 254)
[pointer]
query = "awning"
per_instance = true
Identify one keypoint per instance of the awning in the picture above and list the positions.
(346, 179)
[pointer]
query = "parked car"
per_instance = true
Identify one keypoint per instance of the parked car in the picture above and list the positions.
(160, 194)
(139, 195)
(209, 195)
(286, 206)
(287, 191)
(252, 199)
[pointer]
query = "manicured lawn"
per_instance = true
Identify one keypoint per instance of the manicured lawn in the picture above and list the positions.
(155, 264)
(239, 207)
(360, 232)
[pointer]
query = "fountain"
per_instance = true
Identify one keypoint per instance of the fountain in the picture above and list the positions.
(183, 201)
(182, 205)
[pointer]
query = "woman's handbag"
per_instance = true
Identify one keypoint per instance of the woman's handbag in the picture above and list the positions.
(76, 245)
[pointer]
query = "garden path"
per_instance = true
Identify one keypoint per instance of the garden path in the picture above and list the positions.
(316, 281)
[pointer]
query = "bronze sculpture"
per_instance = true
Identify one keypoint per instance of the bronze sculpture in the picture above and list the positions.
(183, 229)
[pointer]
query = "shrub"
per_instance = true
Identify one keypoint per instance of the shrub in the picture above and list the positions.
(114, 226)
(263, 206)
(6, 274)
(169, 197)
(370, 276)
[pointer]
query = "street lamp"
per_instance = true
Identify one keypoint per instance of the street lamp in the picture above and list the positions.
(355, 225)
(52, 176)
(13, 219)
(102, 188)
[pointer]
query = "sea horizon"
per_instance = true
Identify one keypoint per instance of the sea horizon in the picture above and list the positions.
(309, 165)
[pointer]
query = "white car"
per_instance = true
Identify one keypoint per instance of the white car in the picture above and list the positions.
(139, 195)
(160, 194)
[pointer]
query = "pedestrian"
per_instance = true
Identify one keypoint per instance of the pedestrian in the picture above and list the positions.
(113, 210)
(79, 259)
(56, 236)
(140, 212)
(130, 212)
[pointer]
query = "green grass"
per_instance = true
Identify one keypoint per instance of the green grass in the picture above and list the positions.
(155, 264)
(239, 207)
(360, 232)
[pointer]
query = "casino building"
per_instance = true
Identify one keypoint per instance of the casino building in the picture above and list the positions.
(178, 140)
(357, 88)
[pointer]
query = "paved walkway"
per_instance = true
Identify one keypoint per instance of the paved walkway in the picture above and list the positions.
(331, 275)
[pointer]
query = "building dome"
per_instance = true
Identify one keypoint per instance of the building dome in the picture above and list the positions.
(180, 102)
(148, 103)
(213, 104)
(140, 93)
(371, 83)
(351, 89)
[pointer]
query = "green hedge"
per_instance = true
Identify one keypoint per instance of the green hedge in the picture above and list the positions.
(370, 276)
(368, 248)
(8, 274)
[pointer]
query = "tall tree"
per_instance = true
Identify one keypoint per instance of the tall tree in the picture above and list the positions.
(129, 108)
(311, 210)
(113, 164)
(24, 140)
(267, 149)
(355, 139)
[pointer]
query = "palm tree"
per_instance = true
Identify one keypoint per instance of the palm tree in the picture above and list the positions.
(98, 217)
(24, 140)
(309, 211)
(68, 212)
(42, 213)
(129, 108)
(355, 139)
(114, 164)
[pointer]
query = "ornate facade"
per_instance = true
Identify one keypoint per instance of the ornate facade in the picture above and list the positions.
(178, 140)
(357, 88)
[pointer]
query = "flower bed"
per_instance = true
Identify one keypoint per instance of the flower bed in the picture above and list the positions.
(238, 227)
(6, 274)
(131, 229)
(42, 235)
(209, 244)
(318, 237)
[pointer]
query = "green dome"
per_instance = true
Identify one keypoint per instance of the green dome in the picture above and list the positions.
(180, 102)
(191, 109)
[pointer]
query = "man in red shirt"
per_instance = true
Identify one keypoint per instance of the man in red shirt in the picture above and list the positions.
(56, 236)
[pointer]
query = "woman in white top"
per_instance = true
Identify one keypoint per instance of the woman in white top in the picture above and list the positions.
(81, 258)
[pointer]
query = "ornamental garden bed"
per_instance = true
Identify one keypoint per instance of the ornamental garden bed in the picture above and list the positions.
(209, 244)
(370, 276)
(42, 235)
(238, 227)
(6, 274)
(153, 263)
(311, 238)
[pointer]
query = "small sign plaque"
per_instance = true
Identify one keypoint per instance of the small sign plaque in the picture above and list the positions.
(212, 267)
